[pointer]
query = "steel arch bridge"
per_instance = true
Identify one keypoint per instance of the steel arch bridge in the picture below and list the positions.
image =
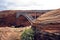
(29, 17)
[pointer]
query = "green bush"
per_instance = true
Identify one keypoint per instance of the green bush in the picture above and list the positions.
(28, 34)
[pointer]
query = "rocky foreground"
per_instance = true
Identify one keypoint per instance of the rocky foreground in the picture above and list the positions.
(47, 36)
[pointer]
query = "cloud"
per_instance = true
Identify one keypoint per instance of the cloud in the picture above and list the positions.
(29, 4)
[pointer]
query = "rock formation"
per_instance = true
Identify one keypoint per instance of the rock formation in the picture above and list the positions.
(47, 26)
(49, 21)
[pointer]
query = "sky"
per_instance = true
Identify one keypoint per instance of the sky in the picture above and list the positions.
(29, 4)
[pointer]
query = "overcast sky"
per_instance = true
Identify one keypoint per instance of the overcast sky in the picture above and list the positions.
(29, 4)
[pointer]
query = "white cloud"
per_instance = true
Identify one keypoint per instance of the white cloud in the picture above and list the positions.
(31, 4)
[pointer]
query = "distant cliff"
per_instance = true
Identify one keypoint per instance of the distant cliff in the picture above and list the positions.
(8, 17)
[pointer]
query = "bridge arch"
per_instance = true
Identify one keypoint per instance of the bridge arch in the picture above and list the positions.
(22, 15)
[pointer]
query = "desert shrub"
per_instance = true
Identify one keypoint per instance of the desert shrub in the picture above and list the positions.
(28, 34)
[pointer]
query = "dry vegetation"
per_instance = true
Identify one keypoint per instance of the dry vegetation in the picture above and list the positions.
(7, 33)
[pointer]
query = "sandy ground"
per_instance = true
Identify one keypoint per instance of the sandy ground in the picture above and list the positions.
(7, 33)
